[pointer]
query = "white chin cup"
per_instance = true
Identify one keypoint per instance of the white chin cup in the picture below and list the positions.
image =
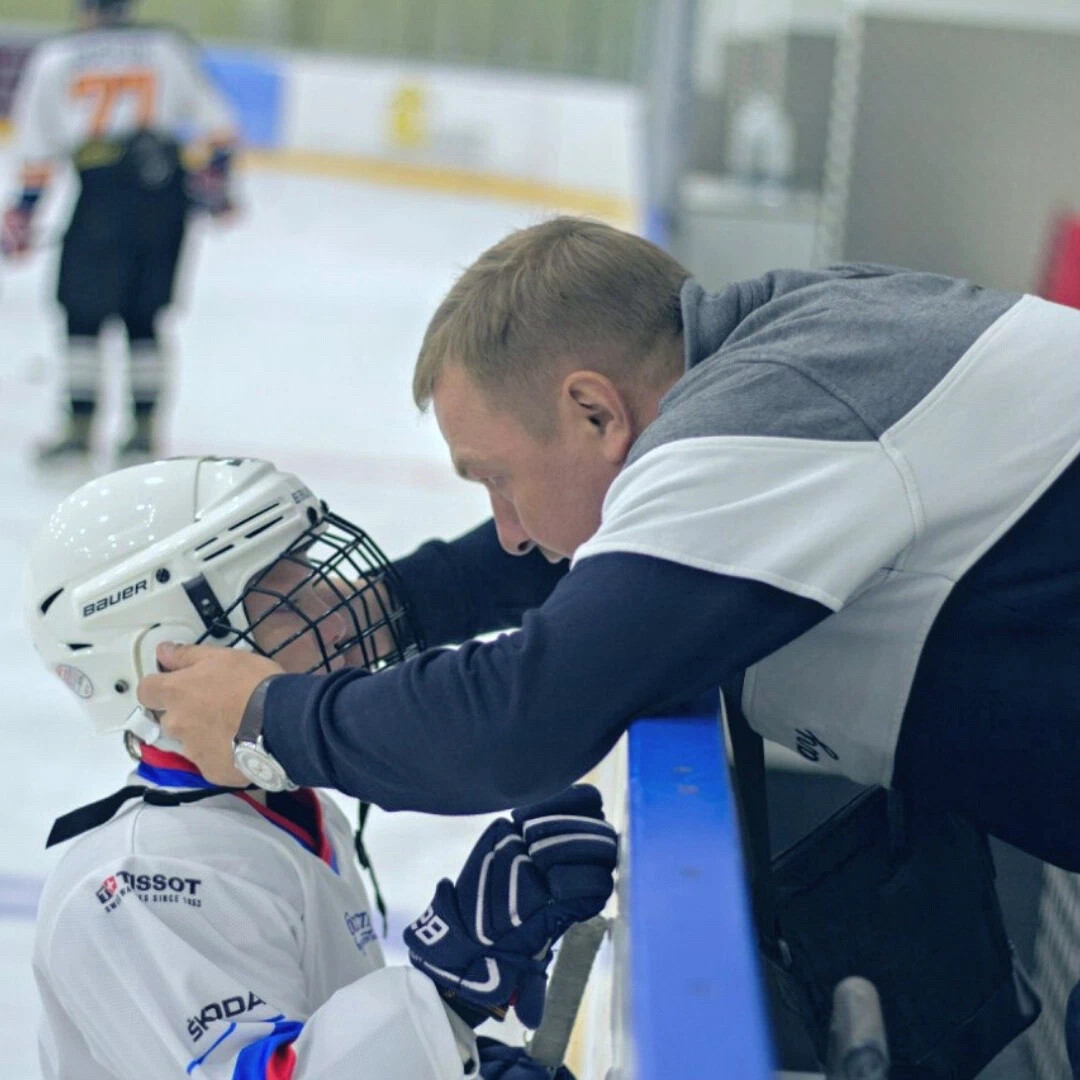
(142, 725)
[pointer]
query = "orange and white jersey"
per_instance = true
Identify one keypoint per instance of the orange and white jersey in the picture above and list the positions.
(109, 82)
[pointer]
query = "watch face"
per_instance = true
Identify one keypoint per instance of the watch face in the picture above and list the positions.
(259, 767)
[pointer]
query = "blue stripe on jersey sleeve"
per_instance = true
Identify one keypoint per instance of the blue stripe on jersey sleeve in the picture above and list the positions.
(193, 1065)
(253, 1060)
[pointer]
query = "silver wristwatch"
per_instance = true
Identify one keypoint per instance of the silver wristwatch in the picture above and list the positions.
(250, 755)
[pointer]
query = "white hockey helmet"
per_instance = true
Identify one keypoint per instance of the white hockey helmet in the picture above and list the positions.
(168, 551)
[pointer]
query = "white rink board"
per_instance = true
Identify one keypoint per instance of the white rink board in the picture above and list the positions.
(579, 133)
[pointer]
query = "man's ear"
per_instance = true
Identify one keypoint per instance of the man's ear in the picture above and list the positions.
(596, 406)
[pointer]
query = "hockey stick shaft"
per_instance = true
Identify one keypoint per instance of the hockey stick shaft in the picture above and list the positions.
(857, 1045)
(565, 991)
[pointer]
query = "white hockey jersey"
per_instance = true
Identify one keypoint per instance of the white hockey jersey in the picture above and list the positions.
(226, 939)
(110, 82)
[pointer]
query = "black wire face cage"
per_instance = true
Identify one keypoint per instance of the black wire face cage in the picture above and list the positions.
(353, 581)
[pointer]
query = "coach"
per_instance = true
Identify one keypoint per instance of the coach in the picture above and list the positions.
(850, 497)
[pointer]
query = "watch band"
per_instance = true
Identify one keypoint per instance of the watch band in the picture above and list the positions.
(251, 723)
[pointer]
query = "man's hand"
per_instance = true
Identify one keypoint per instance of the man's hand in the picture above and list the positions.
(202, 696)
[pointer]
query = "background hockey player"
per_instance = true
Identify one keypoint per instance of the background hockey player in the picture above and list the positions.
(195, 930)
(115, 99)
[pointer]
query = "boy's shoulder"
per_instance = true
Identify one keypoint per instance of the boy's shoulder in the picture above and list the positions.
(217, 837)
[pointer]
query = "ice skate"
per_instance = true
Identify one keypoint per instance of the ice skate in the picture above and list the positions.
(72, 446)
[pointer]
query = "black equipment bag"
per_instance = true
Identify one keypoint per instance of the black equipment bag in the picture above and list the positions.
(897, 893)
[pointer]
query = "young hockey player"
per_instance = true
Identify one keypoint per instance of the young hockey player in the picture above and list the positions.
(116, 99)
(224, 932)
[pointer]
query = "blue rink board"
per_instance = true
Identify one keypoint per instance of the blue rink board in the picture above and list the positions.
(254, 84)
(695, 996)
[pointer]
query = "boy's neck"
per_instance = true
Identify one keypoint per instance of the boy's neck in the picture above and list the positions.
(164, 757)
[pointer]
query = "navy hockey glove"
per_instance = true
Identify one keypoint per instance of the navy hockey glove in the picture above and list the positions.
(575, 850)
(486, 939)
(501, 1062)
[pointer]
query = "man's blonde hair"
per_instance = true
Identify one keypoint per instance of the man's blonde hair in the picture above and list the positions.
(569, 290)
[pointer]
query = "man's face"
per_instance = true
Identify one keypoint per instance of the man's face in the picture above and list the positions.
(271, 631)
(544, 493)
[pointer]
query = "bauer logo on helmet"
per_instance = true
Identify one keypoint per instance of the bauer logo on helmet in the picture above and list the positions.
(118, 597)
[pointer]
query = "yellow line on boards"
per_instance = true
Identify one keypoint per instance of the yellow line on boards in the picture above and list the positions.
(425, 177)
(453, 181)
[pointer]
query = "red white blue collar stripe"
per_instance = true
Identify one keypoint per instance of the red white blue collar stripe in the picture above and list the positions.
(167, 769)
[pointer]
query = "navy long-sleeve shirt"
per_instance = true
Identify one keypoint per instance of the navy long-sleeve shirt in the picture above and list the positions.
(495, 724)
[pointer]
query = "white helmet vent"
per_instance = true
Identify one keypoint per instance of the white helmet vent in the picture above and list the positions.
(231, 543)
(251, 517)
(220, 551)
(47, 602)
(262, 528)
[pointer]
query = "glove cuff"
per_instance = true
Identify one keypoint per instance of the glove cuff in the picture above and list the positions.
(474, 1015)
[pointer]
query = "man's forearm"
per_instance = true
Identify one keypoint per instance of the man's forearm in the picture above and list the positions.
(496, 724)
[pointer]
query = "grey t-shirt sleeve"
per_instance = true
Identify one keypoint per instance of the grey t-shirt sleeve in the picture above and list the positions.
(755, 470)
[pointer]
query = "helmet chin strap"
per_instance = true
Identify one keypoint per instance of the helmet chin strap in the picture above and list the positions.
(143, 725)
